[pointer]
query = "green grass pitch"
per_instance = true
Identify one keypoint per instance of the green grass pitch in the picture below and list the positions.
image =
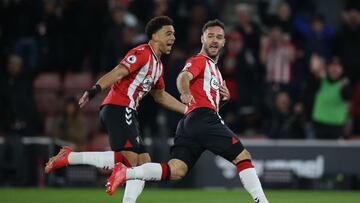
(75, 195)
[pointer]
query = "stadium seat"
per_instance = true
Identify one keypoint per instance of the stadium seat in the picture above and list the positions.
(47, 82)
(48, 103)
(47, 88)
(99, 142)
(76, 83)
(92, 122)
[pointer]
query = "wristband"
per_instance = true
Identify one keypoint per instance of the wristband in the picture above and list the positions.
(94, 91)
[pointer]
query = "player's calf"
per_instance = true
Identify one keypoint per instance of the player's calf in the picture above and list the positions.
(248, 177)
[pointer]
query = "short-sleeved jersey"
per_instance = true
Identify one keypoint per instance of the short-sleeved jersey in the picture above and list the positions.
(205, 86)
(145, 72)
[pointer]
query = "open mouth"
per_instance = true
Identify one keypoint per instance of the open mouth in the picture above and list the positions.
(214, 47)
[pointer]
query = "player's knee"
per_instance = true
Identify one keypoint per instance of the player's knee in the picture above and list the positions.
(178, 169)
(133, 162)
(242, 156)
(131, 157)
(245, 154)
(178, 173)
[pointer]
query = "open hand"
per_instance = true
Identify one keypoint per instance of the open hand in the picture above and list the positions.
(187, 99)
(224, 92)
(84, 99)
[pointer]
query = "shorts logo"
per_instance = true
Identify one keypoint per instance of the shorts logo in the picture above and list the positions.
(128, 116)
(187, 66)
(146, 84)
(214, 83)
(131, 59)
(138, 139)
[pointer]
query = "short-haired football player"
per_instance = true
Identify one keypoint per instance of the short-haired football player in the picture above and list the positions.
(139, 72)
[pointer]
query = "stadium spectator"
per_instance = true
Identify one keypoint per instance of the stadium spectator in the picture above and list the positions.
(348, 44)
(277, 55)
(22, 19)
(319, 36)
(198, 16)
(82, 32)
(248, 28)
(21, 113)
(202, 88)
(286, 120)
(330, 110)
(137, 74)
(229, 69)
(243, 78)
(70, 125)
(120, 37)
(282, 16)
(50, 33)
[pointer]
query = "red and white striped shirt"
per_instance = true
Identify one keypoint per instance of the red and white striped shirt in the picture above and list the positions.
(205, 86)
(145, 72)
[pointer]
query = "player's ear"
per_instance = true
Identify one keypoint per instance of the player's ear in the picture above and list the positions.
(154, 37)
(202, 38)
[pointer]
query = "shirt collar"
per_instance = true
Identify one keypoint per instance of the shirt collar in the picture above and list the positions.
(153, 52)
(208, 58)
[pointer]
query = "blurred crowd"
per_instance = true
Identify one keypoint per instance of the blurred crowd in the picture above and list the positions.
(292, 66)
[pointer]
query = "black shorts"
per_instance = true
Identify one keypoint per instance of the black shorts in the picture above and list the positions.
(122, 126)
(203, 129)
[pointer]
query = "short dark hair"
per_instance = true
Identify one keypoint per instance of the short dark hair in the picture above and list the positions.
(213, 23)
(155, 24)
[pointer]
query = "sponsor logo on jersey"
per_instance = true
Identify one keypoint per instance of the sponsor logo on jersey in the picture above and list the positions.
(214, 83)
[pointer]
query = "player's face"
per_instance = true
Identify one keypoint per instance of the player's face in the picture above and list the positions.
(166, 38)
(213, 40)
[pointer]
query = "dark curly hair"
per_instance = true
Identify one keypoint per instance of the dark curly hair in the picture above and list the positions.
(213, 23)
(155, 24)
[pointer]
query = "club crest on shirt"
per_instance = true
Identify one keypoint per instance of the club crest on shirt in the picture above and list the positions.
(214, 83)
(146, 83)
(131, 59)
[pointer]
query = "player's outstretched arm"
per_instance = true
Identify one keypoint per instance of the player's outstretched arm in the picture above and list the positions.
(104, 82)
(166, 100)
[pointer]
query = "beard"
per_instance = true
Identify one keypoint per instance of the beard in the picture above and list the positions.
(211, 54)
